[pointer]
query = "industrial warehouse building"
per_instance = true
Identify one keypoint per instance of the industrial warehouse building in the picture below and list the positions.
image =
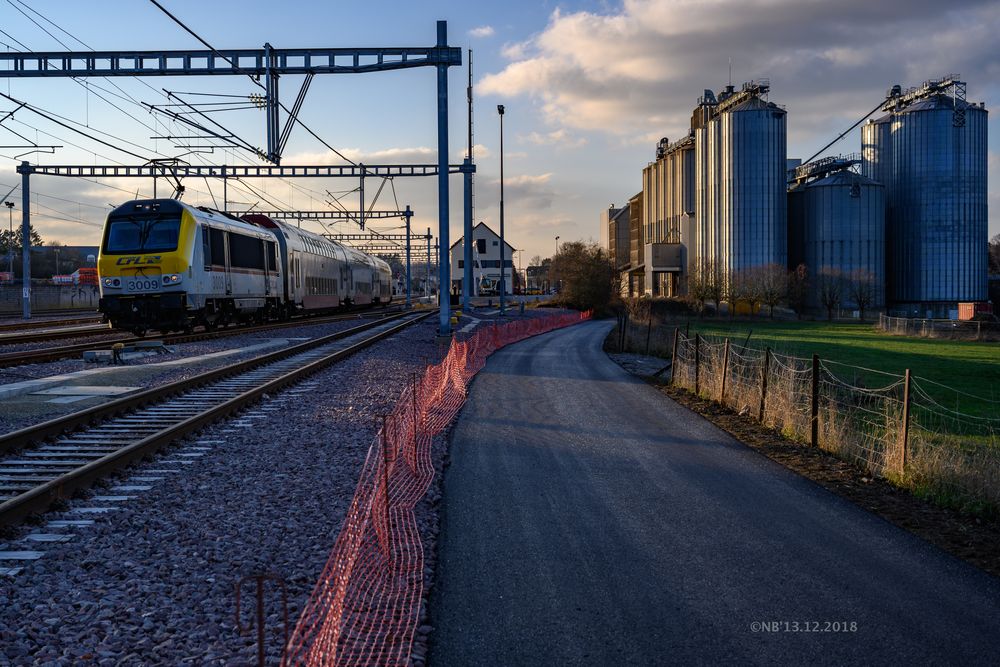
(902, 225)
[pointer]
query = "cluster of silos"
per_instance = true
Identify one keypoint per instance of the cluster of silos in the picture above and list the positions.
(930, 152)
(740, 187)
(836, 228)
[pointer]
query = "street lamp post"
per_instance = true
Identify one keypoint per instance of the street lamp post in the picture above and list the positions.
(557, 245)
(503, 269)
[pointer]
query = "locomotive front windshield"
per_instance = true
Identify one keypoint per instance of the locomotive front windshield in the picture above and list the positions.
(135, 234)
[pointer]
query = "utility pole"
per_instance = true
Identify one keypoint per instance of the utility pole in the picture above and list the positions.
(10, 237)
(444, 264)
(467, 226)
(503, 269)
(26, 241)
(408, 214)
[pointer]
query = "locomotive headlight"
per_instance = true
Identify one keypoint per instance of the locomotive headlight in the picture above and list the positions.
(112, 282)
(171, 279)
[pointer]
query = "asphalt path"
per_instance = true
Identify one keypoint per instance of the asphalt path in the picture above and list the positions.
(588, 519)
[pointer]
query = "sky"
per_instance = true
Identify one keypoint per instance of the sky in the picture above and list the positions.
(589, 87)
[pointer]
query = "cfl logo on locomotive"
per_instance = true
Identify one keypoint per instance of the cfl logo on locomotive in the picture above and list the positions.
(137, 259)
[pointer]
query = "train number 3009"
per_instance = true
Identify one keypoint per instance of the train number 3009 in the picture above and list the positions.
(141, 285)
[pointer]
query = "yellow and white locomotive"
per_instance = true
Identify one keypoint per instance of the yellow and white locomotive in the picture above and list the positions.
(169, 266)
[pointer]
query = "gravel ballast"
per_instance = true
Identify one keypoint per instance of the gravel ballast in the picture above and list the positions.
(22, 411)
(152, 581)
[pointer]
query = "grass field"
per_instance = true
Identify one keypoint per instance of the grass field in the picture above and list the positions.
(973, 368)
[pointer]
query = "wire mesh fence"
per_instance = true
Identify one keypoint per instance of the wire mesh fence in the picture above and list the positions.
(929, 328)
(897, 426)
(365, 607)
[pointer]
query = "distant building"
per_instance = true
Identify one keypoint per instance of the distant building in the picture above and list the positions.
(485, 262)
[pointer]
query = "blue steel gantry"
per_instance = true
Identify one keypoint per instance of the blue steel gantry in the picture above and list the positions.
(268, 63)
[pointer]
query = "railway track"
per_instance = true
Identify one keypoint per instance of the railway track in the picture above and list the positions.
(89, 318)
(48, 462)
(8, 359)
(40, 334)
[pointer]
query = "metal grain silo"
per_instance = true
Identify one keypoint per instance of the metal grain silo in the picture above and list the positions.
(936, 194)
(706, 144)
(752, 188)
(796, 223)
(843, 231)
(876, 149)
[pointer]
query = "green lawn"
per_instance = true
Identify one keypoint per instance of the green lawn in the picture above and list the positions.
(969, 367)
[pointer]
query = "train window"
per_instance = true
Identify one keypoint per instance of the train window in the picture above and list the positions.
(206, 247)
(130, 234)
(246, 251)
(217, 241)
(272, 257)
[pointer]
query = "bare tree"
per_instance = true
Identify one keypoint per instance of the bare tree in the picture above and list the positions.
(831, 289)
(773, 285)
(736, 290)
(861, 289)
(994, 254)
(752, 280)
(798, 289)
(714, 281)
(696, 288)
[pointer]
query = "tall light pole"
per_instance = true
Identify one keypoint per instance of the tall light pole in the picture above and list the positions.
(557, 245)
(503, 269)
(10, 238)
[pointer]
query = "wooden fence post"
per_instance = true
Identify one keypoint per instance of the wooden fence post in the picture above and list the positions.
(725, 370)
(814, 439)
(763, 383)
(906, 421)
(697, 363)
(673, 355)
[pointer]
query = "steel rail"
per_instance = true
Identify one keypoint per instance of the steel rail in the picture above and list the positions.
(41, 324)
(22, 357)
(40, 497)
(56, 334)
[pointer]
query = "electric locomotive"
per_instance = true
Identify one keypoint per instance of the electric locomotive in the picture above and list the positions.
(169, 266)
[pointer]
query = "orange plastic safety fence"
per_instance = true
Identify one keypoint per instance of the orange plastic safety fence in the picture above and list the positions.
(364, 608)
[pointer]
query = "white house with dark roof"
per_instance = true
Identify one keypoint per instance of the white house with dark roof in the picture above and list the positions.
(485, 263)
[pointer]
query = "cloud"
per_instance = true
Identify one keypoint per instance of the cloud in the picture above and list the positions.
(479, 151)
(640, 69)
(560, 138)
(482, 31)
(414, 155)
(522, 192)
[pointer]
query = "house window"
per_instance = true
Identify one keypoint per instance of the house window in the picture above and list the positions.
(496, 243)
(461, 263)
(481, 246)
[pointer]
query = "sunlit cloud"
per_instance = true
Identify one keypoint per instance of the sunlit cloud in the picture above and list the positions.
(482, 31)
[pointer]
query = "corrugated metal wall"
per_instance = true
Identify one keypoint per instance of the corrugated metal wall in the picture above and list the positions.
(936, 195)
(843, 232)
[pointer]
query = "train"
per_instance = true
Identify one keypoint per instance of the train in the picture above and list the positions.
(170, 266)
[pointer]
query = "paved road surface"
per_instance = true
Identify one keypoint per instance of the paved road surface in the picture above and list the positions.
(589, 520)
